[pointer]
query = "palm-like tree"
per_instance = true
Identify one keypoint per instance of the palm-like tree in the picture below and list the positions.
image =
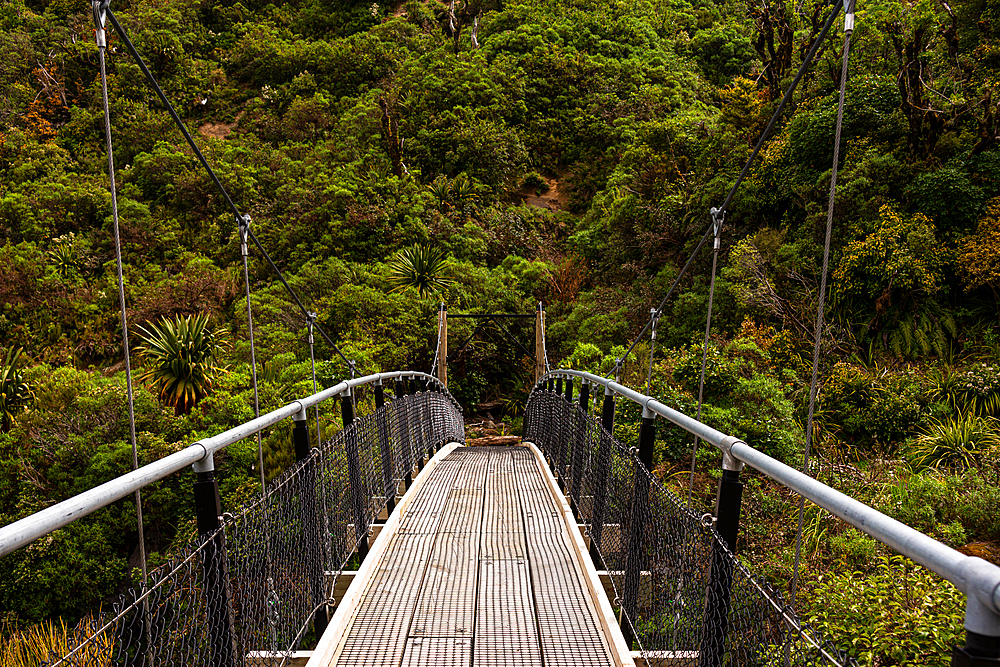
(182, 360)
(420, 267)
(15, 393)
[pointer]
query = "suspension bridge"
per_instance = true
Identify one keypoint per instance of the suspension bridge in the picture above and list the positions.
(393, 543)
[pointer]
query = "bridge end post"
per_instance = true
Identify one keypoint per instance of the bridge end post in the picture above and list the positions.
(442, 369)
(311, 520)
(208, 509)
(539, 343)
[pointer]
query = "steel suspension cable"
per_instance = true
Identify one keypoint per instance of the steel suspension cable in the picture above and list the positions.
(99, 14)
(652, 348)
(244, 228)
(310, 323)
(718, 218)
(211, 172)
(848, 31)
(746, 167)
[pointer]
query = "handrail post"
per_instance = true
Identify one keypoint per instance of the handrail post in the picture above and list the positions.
(600, 490)
(982, 636)
(578, 450)
(311, 519)
(565, 432)
(403, 424)
(358, 492)
(416, 430)
(640, 509)
(381, 422)
(208, 509)
(720, 586)
(428, 446)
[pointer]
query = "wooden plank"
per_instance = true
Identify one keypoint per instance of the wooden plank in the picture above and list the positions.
(666, 658)
(332, 640)
(621, 652)
(270, 659)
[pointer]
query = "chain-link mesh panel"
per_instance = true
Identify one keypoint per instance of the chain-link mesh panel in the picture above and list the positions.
(247, 594)
(679, 588)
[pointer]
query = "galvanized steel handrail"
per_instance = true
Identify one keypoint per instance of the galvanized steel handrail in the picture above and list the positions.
(977, 578)
(19, 533)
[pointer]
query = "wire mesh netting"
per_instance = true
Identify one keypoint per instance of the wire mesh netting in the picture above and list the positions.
(248, 593)
(682, 594)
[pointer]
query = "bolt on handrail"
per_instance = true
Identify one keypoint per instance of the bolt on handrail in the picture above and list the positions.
(977, 578)
(199, 454)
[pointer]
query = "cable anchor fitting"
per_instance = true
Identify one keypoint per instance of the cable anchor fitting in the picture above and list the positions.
(654, 318)
(718, 218)
(243, 223)
(310, 321)
(100, 9)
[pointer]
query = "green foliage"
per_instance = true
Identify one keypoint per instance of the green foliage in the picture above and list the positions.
(15, 394)
(182, 355)
(744, 395)
(352, 132)
(962, 441)
(872, 407)
(900, 254)
(722, 52)
(953, 507)
(901, 614)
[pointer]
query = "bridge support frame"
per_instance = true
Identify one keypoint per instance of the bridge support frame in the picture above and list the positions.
(634, 561)
(565, 436)
(715, 625)
(404, 435)
(385, 447)
(603, 468)
(311, 521)
(208, 509)
(358, 492)
(578, 448)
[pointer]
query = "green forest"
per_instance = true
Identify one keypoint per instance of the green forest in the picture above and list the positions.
(491, 155)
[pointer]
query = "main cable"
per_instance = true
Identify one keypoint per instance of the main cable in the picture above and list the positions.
(848, 31)
(739, 179)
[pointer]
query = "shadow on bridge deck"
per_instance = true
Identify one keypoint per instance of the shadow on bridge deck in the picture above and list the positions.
(476, 566)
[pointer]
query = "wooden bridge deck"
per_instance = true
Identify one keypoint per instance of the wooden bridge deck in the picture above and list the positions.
(479, 568)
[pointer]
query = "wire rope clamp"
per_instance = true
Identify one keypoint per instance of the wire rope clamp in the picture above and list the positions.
(718, 218)
(100, 9)
(654, 317)
(243, 224)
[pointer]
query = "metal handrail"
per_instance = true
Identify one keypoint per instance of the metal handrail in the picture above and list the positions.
(977, 578)
(19, 533)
